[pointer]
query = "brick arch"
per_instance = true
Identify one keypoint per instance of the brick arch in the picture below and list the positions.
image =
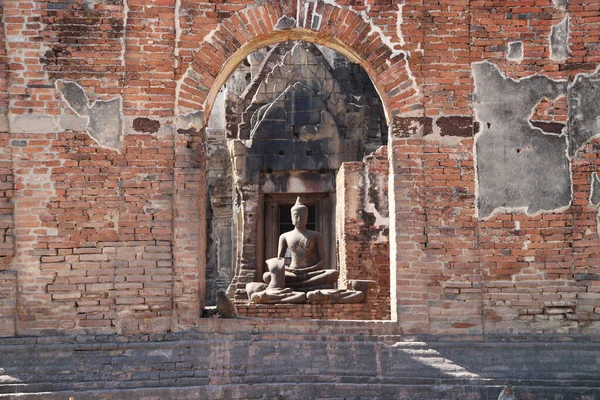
(339, 28)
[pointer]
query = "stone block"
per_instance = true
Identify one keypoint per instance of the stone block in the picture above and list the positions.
(254, 162)
(237, 148)
(319, 146)
(4, 127)
(336, 160)
(302, 130)
(280, 147)
(304, 104)
(269, 129)
(278, 162)
(304, 118)
(311, 163)
(275, 111)
(31, 123)
(69, 122)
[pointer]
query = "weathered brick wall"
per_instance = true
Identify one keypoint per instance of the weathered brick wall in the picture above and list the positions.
(363, 228)
(94, 231)
(3, 78)
(7, 244)
(8, 303)
(307, 311)
(111, 237)
(510, 273)
(8, 281)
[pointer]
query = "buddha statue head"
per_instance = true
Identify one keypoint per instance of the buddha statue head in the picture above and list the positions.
(299, 214)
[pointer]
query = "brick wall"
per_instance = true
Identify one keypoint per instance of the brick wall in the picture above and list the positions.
(362, 239)
(108, 240)
(8, 306)
(8, 287)
(306, 311)
(3, 78)
(508, 274)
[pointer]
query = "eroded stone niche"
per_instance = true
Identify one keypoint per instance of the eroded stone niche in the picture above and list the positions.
(282, 126)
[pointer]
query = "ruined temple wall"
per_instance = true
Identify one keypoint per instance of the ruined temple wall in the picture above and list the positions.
(363, 228)
(3, 77)
(6, 180)
(99, 170)
(110, 239)
(8, 287)
(474, 256)
(511, 273)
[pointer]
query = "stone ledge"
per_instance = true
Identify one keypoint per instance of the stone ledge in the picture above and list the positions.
(300, 366)
(306, 311)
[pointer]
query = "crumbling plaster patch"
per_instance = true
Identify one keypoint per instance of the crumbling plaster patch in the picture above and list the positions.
(285, 23)
(518, 167)
(31, 123)
(515, 52)
(105, 117)
(583, 110)
(189, 121)
(559, 40)
(124, 38)
(561, 4)
(399, 21)
(595, 190)
(595, 197)
(4, 127)
(376, 201)
(177, 16)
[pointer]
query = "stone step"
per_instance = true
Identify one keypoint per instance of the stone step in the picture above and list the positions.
(315, 391)
(219, 362)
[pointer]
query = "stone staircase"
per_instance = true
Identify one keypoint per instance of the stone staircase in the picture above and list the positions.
(222, 362)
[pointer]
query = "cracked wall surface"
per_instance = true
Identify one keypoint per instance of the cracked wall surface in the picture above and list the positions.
(559, 40)
(518, 166)
(595, 190)
(584, 121)
(515, 51)
(129, 256)
(104, 116)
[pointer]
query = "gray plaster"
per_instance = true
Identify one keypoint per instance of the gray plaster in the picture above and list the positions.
(26, 123)
(104, 116)
(560, 4)
(4, 127)
(595, 190)
(285, 22)
(584, 112)
(217, 114)
(68, 122)
(518, 167)
(74, 96)
(189, 121)
(559, 40)
(515, 51)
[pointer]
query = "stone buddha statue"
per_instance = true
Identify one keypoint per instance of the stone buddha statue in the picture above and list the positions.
(307, 270)
(306, 278)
